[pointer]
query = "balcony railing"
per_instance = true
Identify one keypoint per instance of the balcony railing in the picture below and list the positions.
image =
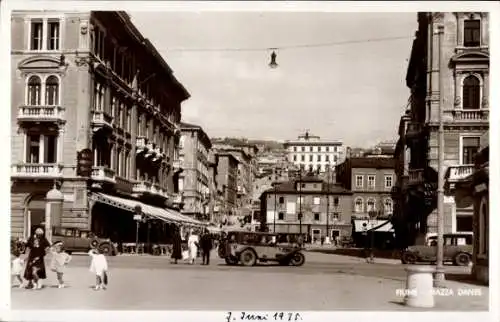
(101, 119)
(459, 172)
(37, 170)
(29, 113)
(479, 115)
(415, 176)
(142, 187)
(102, 173)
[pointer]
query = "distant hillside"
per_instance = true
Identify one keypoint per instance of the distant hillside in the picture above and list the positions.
(263, 145)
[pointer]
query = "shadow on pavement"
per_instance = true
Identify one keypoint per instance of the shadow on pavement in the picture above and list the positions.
(464, 278)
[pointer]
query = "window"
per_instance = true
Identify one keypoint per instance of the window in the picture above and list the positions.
(327, 158)
(34, 91)
(300, 200)
(359, 181)
(281, 216)
(318, 168)
(334, 149)
(358, 205)
(370, 205)
(472, 33)
(53, 35)
(464, 223)
(33, 149)
(316, 216)
(471, 93)
(294, 149)
(129, 119)
(52, 91)
(335, 216)
(388, 206)
(50, 151)
(36, 35)
(294, 157)
(336, 201)
(470, 147)
(319, 158)
(335, 158)
(310, 158)
(317, 200)
(282, 200)
(98, 97)
(388, 182)
(310, 149)
(302, 158)
(303, 149)
(34, 145)
(327, 149)
(371, 182)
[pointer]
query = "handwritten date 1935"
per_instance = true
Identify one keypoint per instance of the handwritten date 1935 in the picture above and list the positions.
(277, 316)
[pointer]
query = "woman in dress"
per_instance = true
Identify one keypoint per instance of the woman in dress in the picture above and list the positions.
(176, 245)
(38, 246)
(193, 244)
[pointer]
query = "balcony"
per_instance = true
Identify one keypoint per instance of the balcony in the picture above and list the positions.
(413, 130)
(101, 120)
(103, 174)
(415, 176)
(459, 172)
(37, 170)
(141, 144)
(52, 114)
(178, 165)
(465, 116)
(145, 187)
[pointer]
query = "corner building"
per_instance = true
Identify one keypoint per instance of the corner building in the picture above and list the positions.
(90, 80)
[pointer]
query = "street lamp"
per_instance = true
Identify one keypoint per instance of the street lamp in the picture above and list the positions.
(300, 201)
(439, 276)
(137, 218)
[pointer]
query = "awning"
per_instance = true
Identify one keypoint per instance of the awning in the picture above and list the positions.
(373, 225)
(167, 215)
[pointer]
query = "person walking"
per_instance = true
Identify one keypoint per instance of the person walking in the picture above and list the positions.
(206, 244)
(193, 245)
(176, 245)
(38, 246)
(17, 267)
(59, 261)
(99, 266)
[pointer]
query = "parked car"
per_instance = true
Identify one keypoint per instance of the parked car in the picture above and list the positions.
(77, 240)
(248, 248)
(457, 249)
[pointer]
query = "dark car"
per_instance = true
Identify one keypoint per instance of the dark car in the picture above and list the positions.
(248, 248)
(78, 240)
(457, 249)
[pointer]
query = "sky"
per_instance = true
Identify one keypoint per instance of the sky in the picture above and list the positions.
(351, 92)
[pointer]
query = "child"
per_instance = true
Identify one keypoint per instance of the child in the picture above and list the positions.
(59, 261)
(17, 267)
(99, 266)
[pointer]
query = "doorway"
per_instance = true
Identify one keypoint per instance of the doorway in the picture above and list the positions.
(316, 236)
(334, 235)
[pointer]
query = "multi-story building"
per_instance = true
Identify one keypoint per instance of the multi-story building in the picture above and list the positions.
(313, 154)
(227, 185)
(310, 206)
(76, 86)
(448, 69)
(194, 181)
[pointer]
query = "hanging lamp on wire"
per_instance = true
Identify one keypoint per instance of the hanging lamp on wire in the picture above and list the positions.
(273, 64)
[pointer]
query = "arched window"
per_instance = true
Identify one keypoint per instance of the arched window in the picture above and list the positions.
(471, 93)
(52, 91)
(388, 206)
(358, 205)
(34, 91)
(370, 205)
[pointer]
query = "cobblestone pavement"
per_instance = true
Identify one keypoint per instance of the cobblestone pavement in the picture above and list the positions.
(325, 282)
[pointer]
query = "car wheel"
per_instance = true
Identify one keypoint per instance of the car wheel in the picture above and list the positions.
(105, 249)
(298, 259)
(248, 257)
(462, 259)
(408, 258)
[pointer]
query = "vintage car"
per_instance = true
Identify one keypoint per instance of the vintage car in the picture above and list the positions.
(457, 249)
(248, 248)
(76, 240)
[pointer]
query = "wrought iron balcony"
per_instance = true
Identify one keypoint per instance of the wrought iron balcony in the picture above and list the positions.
(416, 176)
(459, 172)
(29, 113)
(476, 115)
(103, 174)
(37, 170)
(100, 120)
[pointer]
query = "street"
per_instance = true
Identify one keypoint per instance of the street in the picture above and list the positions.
(325, 282)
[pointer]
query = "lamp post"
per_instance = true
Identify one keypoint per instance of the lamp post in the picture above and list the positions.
(300, 201)
(137, 218)
(274, 223)
(327, 237)
(439, 274)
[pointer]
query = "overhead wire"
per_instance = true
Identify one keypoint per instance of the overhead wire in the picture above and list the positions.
(286, 47)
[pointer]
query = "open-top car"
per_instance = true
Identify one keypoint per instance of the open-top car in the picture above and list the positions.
(76, 240)
(457, 249)
(249, 248)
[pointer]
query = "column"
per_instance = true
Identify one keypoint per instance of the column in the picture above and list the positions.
(460, 29)
(133, 138)
(60, 145)
(484, 29)
(458, 90)
(25, 145)
(41, 151)
(44, 34)
(486, 90)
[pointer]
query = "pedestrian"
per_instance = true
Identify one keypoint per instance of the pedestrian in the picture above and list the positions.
(59, 261)
(17, 267)
(38, 247)
(206, 244)
(176, 245)
(99, 266)
(193, 245)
